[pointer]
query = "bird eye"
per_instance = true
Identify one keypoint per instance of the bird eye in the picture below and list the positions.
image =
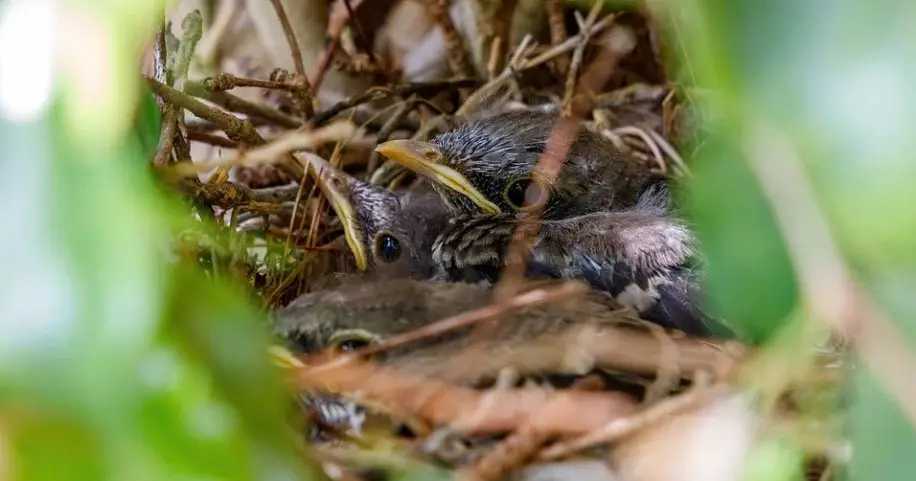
(348, 341)
(519, 196)
(387, 248)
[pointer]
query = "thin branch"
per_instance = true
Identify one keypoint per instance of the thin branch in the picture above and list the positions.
(622, 427)
(278, 149)
(242, 106)
(305, 98)
(558, 32)
(458, 59)
(381, 93)
(578, 54)
(192, 27)
(523, 301)
(826, 283)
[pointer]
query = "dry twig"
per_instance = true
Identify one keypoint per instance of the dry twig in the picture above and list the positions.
(467, 410)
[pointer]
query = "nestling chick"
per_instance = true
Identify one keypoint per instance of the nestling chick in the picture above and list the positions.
(605, 219)
(359, 313)
(488, 164)
(390, 233)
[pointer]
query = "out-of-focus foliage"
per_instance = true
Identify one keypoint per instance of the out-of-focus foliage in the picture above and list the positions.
(833, 77)
(116, 361)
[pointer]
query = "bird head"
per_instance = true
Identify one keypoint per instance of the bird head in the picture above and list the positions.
(388, 233)
(490, 165)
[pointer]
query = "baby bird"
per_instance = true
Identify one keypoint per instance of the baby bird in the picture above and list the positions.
(606, 218)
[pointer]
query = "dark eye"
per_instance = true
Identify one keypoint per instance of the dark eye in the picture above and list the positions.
(352, 345)
(349, 341)
(517, 193)
(387, 248)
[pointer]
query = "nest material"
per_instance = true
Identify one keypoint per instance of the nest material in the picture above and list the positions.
(604, 68)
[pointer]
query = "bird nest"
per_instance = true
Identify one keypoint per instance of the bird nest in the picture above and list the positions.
(233, 158)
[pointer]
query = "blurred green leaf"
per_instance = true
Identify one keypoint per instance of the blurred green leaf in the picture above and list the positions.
(834, 76)
(751, 281)
(148, 123)
(884, 437)
(132, 367)
(775, 459)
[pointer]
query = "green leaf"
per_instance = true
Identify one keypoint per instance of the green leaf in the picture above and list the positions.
(751, 282)
(148, 123)
(835, 78)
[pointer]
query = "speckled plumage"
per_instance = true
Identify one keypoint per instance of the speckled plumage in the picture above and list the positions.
(608, 219)
(494, 149)
(393, 306)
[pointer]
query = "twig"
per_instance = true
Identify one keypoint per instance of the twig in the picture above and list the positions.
(458, 59)
(212, 139)
(208, 46)
(305, 102)
(618, 42)
(496, 29)
(578, 54)
(290, 36)
(279, 149)
(163, 153)
(647, 140)
(516, 449)
(227, 81)
(633, 93)
(339, 17)
(381, 93)
(570, 43)
(467, 410)
(670, 151)
(826, 283)
(619, 428)
(387, 129)
(239, 105)
(276, 195)
(192, 29)
(547, 169)
(160, 62)
(235, 128)
(550, 54)
(526, 300)
(557, 25)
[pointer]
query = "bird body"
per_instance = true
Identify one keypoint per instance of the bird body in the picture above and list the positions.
(605, 218)
(389, 232)
(559, 337)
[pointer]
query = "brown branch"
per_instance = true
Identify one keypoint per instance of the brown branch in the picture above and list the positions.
(618, 42)
(547, 169)
(228, 81)
(458, 59)
(235, 104)
(467, 410)
(528, 299)
(558, 33)
(339, 17)
(381, 93)
(619, 428)
(387, 129)
(517, 448)
(578, 55)
(212, 139)
(278, 149)
(290, 36)
(236, 129)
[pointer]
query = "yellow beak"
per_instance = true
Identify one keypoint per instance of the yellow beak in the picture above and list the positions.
(421, 157)
(334, 184)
